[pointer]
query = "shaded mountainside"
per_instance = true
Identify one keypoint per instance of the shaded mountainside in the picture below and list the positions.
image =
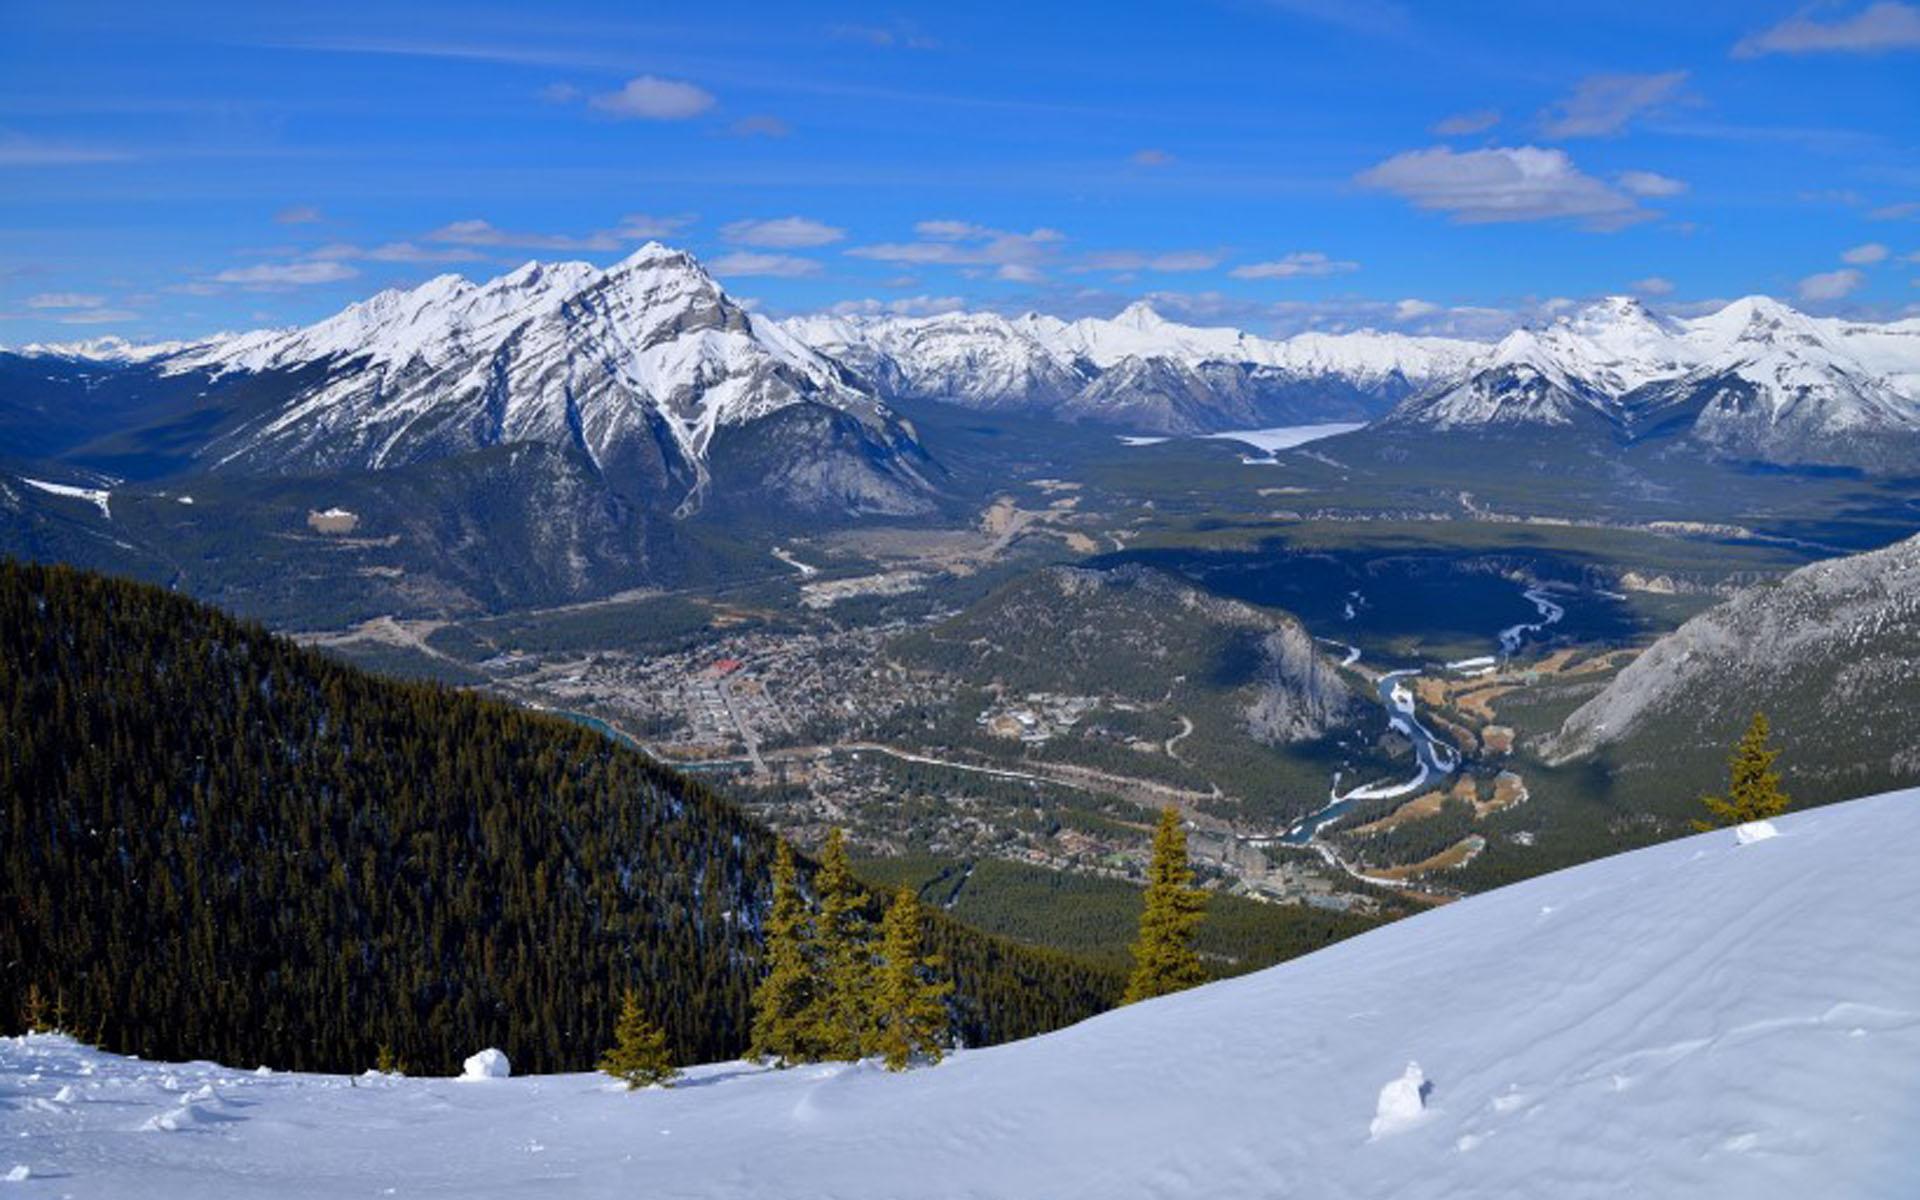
(220, 844)
(1828, 653)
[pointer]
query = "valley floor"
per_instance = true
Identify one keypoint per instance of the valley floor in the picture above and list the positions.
(1703, 1018)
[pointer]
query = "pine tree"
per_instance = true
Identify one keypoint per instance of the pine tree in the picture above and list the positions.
(843, 1013)
(1754, 793)
(910, 1006)
(1163, 958)
(639, 1056)
(784, 1000)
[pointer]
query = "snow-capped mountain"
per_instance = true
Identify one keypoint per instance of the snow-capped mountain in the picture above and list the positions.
(1724, 1015)
(1136, 371)
(1755, 380)
(639, 367)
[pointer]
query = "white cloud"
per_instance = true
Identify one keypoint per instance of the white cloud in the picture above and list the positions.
(16, 151)
(298, 214)
(748, 262)
(287, 274)
(1412, 309)
(1865, 255)
(1518, 183)
(1461, 124)
(1896, 212)
(1151, 157)
(97, 316)
(899, 36)
(405, 252)
(1018, 256)
(1653, 285)
(782, 232)
(1603, 105)
(903, 306)
(651, 98)
(1830, 285)
(65, 300)
(1138, 260)
(1649, 183)
(761, 125)
(638, 227)
(560, 93)
(1302, 263)
(1876, 28)
(1018, 273)
(484, 233)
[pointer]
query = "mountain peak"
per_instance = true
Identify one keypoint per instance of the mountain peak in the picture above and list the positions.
(1139, 315)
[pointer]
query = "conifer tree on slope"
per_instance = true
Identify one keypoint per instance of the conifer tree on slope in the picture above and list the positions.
(1754, 791)
(639, 1056)
(910, 1006)
(843, 1009)
(784, 1001)
(1163, 958)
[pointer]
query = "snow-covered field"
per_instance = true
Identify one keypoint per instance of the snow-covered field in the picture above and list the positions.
(1704, 1018)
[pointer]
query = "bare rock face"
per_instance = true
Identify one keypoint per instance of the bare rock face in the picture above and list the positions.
(1828, 653)
(1300, 695)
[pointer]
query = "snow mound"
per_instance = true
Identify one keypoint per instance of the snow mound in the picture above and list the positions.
(175, 1120)
(1755, 831)
(1402, 1103)
(20, 1173)
(488, 1064)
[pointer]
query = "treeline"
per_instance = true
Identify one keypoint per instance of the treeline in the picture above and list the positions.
(219, 844)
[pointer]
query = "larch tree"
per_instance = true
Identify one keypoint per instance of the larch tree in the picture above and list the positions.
(843, 1008)
(1164, 960)
(1753, 792)
(785, 999)
(910, 1006)
(639, 1056)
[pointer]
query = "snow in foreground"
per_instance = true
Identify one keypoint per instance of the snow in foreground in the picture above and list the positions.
(1705, 1018)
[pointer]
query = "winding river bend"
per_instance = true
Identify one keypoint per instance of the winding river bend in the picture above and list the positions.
(1435, 760)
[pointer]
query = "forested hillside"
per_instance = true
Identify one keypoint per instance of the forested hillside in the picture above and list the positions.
(219, 844)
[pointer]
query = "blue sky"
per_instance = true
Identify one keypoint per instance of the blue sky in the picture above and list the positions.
(169, 170)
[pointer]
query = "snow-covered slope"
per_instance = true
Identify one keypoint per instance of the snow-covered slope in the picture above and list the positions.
(1703, 1018)
(1136, 371)
(1756, 379)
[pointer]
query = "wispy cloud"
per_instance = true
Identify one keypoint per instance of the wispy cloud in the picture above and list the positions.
(1905, 211)
(782, 232)
(400, 252)
(1604, 105)
(1517, 183)
(760, 125)
(280, 275)
(1876, 28)
(59, 300)
(651, 98)
(482, 233)
(298, 214)
(1151, 157)
(1461, 124)
(1653, 285)
(1300, 264)
(1650, 183)
(900, 36)
(1865, 255)
(16, 151)
(748, 262)
(1166, 262)
(1830, 285)
(1018, 257)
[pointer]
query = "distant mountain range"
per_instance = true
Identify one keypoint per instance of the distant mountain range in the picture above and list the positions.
(1755, 380)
